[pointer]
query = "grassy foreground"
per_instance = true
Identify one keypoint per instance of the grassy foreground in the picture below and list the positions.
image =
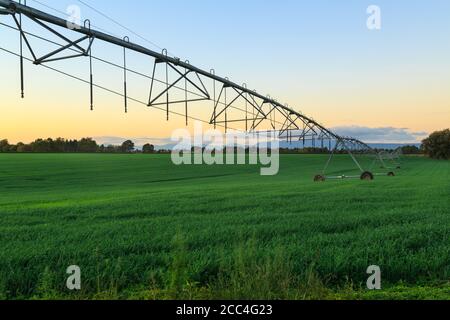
(142, 228)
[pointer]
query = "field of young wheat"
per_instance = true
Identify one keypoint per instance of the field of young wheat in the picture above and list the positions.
(140, 227)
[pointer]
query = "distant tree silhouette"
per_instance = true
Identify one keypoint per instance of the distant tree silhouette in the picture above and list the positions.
(21, 147)
(111, 149)
(61, 145)
(148, 148)
(4, 145)
(437, 145)
(41, 145)
(87, 145)
(128, 146)
(411, 150)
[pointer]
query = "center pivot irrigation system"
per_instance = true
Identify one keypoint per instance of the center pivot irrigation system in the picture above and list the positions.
(183, 84)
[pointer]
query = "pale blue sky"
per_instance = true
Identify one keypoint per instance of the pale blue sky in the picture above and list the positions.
(248, 40)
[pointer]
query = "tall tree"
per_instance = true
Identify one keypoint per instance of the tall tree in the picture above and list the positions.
(410, 150)
(4, 145)
(437, 145)
(148, 148)
(87, 145)
(128, 146)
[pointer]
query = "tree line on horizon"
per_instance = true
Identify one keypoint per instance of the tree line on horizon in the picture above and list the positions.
(61, 145)
(89, 145)
(436, 146)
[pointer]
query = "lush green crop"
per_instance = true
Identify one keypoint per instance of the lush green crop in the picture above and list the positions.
(140, 227)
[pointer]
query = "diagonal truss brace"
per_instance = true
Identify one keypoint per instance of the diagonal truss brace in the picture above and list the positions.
(215, 118)
(294, 121)
(48, 57)
(152, 99)
(341, 144)
(182, 76)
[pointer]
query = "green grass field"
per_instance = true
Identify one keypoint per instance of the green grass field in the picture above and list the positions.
(142, 228)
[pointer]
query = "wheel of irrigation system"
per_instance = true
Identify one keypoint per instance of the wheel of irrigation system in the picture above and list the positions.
(367, 176)
(319, 178)
(391, 174)
(399, 167)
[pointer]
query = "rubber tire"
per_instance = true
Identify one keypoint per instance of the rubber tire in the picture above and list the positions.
(368, 176)
(319, 178)
(391, 174)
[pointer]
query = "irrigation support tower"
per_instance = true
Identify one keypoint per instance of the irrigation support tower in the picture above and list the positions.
(224, 94)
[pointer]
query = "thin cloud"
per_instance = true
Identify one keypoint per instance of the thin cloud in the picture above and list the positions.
(381, 135)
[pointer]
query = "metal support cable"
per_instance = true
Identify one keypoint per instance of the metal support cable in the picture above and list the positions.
(22, 84)
(94, 85)
(91, 84)
(64, 14)
(121, 67)
(40, 15)
(102, 87)
(125, 77)
(118, 23)
(36, 15)
(226, 110)
(167, 92)
(186, 97)
(214, 99)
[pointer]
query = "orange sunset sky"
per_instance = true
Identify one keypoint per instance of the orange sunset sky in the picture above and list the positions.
(321, 60)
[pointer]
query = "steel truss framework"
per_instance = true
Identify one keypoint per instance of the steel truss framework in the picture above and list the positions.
(393, 158)
(287, 123)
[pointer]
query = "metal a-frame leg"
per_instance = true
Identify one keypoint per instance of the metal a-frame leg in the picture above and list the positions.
(365, 175)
